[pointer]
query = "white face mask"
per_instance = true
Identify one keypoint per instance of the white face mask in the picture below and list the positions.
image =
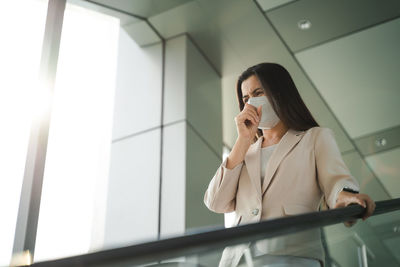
(268, 116)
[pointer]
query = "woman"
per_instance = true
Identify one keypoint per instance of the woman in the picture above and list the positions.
(288, 166)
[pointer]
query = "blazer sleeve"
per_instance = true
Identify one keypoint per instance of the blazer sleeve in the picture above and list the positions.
(332, 173)
(220, 195)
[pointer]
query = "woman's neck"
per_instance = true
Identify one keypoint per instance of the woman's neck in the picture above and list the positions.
(274, 135)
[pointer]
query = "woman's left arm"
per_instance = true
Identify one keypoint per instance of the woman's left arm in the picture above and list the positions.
(333, 176)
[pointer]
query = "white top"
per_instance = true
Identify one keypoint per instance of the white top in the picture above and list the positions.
(265, 154)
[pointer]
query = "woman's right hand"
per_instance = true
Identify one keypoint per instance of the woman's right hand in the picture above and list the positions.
(247, 121)
(247, 124)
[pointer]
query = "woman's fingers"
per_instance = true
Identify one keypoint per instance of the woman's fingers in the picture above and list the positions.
(370, 207)
(249, 116)
(345, 199)
(254, 117)
(259, 111)
(359, 201)
(243, 116)
(365, 201)
(251, 109)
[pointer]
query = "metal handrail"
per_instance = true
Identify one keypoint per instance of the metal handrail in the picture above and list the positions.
(210, 238)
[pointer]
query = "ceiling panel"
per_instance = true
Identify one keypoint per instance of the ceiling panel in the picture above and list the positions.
(143, 8)
(358, 77)
(124, 18)
(329, 19)
(267, 5)
(386, 166)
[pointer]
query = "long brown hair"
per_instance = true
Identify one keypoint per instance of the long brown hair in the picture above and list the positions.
(282, 94)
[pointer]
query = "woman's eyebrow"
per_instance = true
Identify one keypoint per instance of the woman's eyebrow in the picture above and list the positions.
(252, 92)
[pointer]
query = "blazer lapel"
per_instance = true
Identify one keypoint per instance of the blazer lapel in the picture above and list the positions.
(288, 141)
(252, 160)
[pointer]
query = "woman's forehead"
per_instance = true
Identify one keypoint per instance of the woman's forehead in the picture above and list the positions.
(250, 84)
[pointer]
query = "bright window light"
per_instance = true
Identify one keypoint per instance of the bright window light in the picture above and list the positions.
(22, 26)
(76, 170)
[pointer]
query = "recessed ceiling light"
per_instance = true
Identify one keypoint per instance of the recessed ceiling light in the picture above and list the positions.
(380, 142)
(304, 24)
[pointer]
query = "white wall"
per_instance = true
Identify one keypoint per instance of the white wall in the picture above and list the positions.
(174, 180)
(174, 153)
(175, 80)
(138, 93)
(133, 187)
(132, 201)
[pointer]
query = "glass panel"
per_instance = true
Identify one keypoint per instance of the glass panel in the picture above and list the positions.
(22, 25)
(373, 242)
(376, 240)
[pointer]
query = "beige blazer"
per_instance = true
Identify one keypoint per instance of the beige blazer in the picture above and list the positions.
(305, 167)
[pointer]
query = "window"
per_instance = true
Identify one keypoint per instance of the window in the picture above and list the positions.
(77, 160)
(22, 24)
